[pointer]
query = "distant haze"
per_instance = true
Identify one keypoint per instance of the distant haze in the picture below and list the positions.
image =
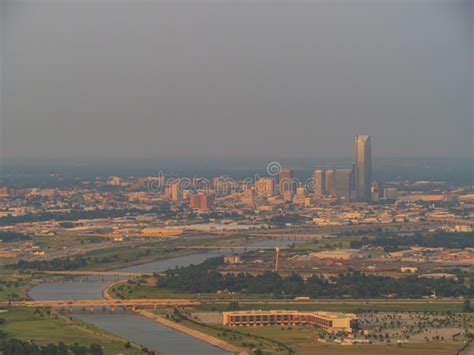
(221, 78)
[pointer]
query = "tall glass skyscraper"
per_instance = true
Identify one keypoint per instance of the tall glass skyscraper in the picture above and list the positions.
(363, 168)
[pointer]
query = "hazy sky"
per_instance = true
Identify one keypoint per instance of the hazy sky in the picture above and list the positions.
(154, 79)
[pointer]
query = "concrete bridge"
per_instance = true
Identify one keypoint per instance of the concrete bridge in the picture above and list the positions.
(102, 303)
(100, 274)
(240, 247)
(95, 273)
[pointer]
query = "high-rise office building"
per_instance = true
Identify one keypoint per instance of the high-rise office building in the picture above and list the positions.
(300, 191)
(248, 196)
(265, 186)
(300, 195)
(207, 202)
(176, 193)
(286, 181)
(390, 193)
(342, 183)
(329, 182)
(318, 183)
(375, 191)
(194, 201)
(363, 168)
(223, 185)
(201, 201)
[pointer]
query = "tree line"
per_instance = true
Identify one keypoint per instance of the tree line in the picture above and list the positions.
(206, 278)
(8, 236)
(67, 263)
(20, 347)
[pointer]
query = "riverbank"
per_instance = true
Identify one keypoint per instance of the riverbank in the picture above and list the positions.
(467, 349)
(82, 326)
(130, 325)
(131, 255)
(183, 329)
(106, 292)
(194, 333)
(49, 327)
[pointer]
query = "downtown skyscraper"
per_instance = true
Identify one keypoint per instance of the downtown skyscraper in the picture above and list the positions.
(319, 183)
(342, 183)
(285, 182)
(363, 168)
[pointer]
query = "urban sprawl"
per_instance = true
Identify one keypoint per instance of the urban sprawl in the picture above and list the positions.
(334, 259)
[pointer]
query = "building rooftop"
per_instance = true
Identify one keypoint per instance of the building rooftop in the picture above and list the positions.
(329, 315)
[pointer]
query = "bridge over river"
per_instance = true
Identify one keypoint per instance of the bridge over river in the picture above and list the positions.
(99, 274)
(113, 304)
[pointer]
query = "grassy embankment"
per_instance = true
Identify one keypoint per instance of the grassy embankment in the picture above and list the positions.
(14, 285)
(44, 327)
(238, 337)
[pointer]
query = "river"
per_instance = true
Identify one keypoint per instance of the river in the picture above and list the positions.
(128, 324)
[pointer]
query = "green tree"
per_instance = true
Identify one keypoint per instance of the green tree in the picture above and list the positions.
(467, 306)
(233, 306)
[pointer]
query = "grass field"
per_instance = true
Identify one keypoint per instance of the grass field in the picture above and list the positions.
(406, 349)
(44, 328)
(141, 290)
(304, 342)
(127, 290)
(63, 240)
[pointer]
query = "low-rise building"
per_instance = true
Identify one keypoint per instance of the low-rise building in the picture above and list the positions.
(341, 254)
(160, 232)
(232, 259)
(409, 269)
(330, 321)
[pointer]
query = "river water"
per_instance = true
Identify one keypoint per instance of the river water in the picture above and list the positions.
(129, 325)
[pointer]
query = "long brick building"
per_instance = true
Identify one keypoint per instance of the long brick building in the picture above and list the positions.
(331, 321)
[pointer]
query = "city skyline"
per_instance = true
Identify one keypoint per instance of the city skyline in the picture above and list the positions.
(236, 177)
(354, 183)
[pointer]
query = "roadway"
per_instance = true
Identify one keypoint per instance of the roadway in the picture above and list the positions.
(130, 303)
(94, 273)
